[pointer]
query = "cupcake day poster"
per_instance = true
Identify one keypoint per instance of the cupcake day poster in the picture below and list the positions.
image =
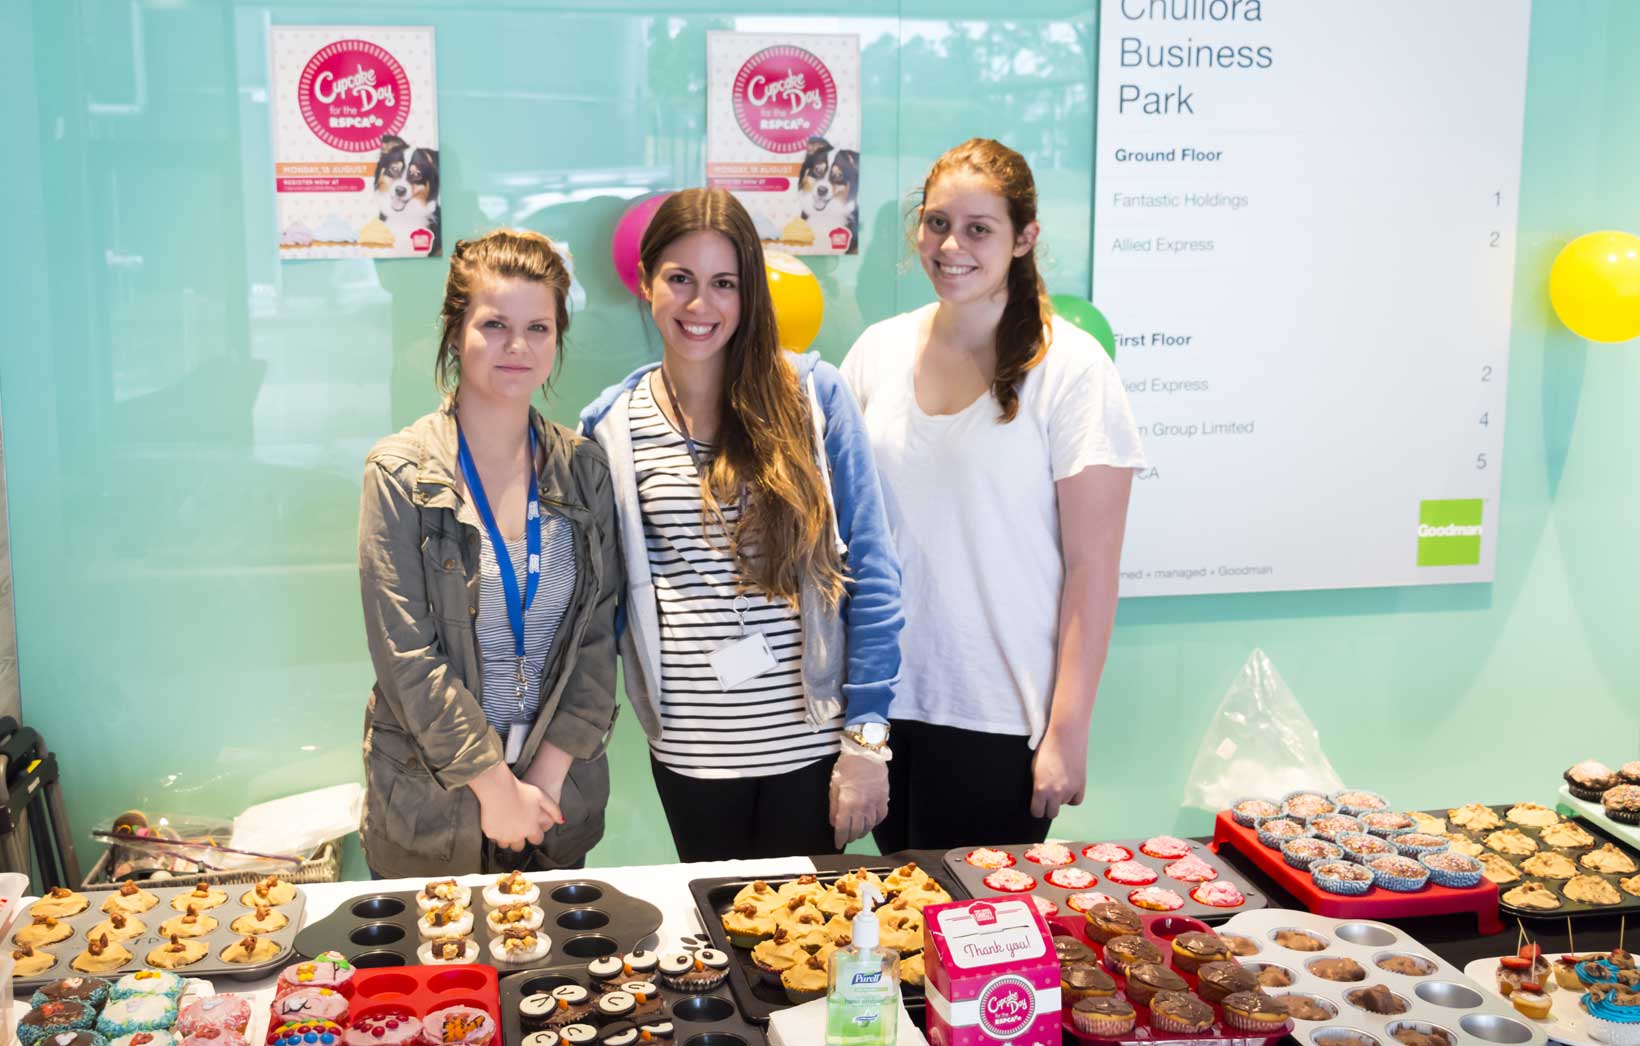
(783, 134)
(355, 118)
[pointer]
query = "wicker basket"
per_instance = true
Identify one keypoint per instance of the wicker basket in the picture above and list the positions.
(325, 866)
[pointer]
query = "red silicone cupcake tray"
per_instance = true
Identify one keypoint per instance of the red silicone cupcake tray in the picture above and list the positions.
(1377, 903)
(419, 990)
(973, 879)
(1161, 929)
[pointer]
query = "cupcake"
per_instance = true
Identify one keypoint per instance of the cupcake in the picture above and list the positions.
(1216, 980)
(51, 1018)
(44, 930)
(1156, 899)
(60, 902)
(1107, 853)
(1608, 860)
(1191, 869)
(1614, 1014)
(201, 898)
(1104, 1018)
(263, 920)
(1341, 969)
(1356, 802)
(1589, 780)
(1331, 826)
(803, 983)
(327, 970)
(1387, 823)
(444, 951)
(1071, 878)
(1363, 847)
(303, 1004)
(93, 991)
(1629, 773)
(118, 927)
(1305, 851)
(987, 858)
(1218, 895)
(459, 1025)
(1180, 1012)
(760, 894)
(101, 956)
(1167, 847)
(1085, 901)
(441, 892)
(1272, 976)
(708, 968)
(1407, 965)
(1376, 999)
(517, 946)
(1254, 1012)
(1278, 830)
(1240, 944)
(388, 1028)
(312, 1032)
(1305, 805)
(1451, 869)
(1342, 877)
(1416, 844)
(1050, 855)
(508, 916)
(1009, 880)
(449, 920)
(1145, 979)
(511, 888)
(179, 952)
(1306, 1007)
(1084, 980)
(1131, 873)
(272, 891)
(1299, 940)
(1248, 812)
(1122, 953)
(137, 1013)
(774, 956)
(1068, 949)
(1112, 919)
(747, 924)
(192, 924)
(1043, 905)
(1531, 1000)
(1401, 874)
(1192, 949)
(1622, 803)
(129, 898)
(147, 982)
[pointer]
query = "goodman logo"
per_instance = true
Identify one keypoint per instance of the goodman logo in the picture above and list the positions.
(1449, 533)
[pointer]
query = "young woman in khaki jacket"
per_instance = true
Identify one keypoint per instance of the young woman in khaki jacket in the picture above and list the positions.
(495, 674)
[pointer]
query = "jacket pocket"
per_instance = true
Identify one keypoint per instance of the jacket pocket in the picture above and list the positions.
(582, 802)
(404, 807)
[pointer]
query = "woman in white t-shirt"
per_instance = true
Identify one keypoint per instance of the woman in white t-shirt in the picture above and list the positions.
(1006, 449)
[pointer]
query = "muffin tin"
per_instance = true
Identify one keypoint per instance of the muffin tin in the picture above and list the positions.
(1377, 903)
(704, 1018)
(757, 998)
(973, 880)
(584, 918)
(1628, 904)
(211, 965)
(420, 990)
(1567, 1022)
(1443, 998)
(1160, 929)
(1627, 834)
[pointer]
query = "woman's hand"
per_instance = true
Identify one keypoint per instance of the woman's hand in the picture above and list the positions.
(1059, 773)
(512, 813)
(547, 772)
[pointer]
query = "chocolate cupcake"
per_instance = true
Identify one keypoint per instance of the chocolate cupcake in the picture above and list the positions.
(1589, 780)
(1337, 968)
(1192, 949)
(1111, 919)
(1083, 980)
(1629, 773)
(93, 991)
(1622, 803)
(1376, 999)
(1272, 976)
(1105, 1018)
(1215, 980)
(1254, 1012)
(1069, 950)
(1240, 944)
(1181, 1012)
(1145, 979)
(1123, 953)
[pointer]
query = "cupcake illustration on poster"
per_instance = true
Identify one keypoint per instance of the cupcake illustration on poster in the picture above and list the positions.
(783, 134)
(355, 123)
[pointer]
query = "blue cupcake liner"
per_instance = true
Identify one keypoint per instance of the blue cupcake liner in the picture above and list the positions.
(1389, 833)
(1343, 842)
(1400, 883)
(1457, 880)
(99, 994)
(1345, 808)
(1274, 842)
(1408, 850)
(1303, 863)
(1306, 791)
(1321, 833)
(1247, 820)
(1333, 884)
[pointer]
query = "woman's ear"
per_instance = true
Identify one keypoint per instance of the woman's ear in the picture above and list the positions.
(1026, 240)
(643, 283)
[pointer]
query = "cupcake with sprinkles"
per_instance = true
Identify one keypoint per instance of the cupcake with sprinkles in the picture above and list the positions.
(1248, 812)
(51, 1018)
(1050, 855)
(984, 857)
(1009, 880)
(1167, 847)
(1305, 851)
(1452, 869)
(1355, 801)
(1331, 826)
(1365, 847)
(1071, 878)
(1131, 873)
(1191, 869)
(1387, 823)
(1304, 805)
(1219, 894)
(1156, 899)
(1417, 844)
(1402, 874)
(1342, 877)
(1082, 902)
(1277, 830)
(1107, 853)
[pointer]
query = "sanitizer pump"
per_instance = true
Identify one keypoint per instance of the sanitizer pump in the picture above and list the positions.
(863, 984)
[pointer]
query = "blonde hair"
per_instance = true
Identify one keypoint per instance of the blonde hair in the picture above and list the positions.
(516, 254)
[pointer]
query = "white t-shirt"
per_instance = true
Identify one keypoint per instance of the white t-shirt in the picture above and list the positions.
(975, 518)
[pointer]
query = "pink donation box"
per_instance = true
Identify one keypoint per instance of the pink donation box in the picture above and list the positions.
(991, 974)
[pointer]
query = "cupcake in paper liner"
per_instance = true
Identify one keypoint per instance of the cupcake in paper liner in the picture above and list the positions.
(1306, 850)
(1357, 801)
(1590, 779)
(1277, 830)
(1248, 812)
(1342, 877)
(1331, 826)
(1303, 805)
(1387, 823)
(1452, 869)
(1611, 1022)
(1363, 847)
(1416, 844)
(1622, 803)
(1401, 874)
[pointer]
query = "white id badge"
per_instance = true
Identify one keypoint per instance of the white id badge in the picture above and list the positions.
(741, 660)
(515, 742)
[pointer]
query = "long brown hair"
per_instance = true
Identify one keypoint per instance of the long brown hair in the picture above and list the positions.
(516, 254)
(1025, 330)
(784, 535)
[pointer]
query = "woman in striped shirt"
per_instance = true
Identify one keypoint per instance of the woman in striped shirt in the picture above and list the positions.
(763, 595)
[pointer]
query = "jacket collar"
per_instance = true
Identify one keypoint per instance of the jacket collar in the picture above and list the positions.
(438, 482)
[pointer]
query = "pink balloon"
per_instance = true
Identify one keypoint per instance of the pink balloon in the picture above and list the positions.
(623, 246)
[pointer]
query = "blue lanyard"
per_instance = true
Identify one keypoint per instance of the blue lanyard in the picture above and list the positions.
(516, 607)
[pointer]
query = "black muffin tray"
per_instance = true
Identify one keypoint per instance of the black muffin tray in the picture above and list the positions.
(211, 965)
(584, 919)
(697, 1017)
(973, 879)
(756, 997)
(1627, 903)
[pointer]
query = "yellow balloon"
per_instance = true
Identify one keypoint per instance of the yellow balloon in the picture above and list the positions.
(1594, 286)
(799, 305)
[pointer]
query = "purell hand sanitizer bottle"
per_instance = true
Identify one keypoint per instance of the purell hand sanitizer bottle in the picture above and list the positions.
(863, 984)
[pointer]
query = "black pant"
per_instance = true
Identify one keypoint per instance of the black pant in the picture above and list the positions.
(949, 787)
(720, 819)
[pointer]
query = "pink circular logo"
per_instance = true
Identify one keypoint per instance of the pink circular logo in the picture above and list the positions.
(352, 92)
(783, 97)
(1006, 1007)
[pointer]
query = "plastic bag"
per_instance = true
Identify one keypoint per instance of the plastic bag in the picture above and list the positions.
(1259, 744)
(299, 824)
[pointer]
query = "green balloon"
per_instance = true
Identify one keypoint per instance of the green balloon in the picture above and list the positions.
(1081, 312)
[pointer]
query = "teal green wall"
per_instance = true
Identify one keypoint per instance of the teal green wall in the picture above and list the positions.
(185, 418)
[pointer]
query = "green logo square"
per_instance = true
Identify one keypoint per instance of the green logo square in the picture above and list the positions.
(1449, 533)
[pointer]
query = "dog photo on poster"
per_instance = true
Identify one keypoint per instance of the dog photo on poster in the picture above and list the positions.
(355, 142)
(783, 134)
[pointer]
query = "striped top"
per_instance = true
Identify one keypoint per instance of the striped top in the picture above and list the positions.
(495, 638)
(757, 728)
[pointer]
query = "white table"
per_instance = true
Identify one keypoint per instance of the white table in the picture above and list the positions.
(666, 886)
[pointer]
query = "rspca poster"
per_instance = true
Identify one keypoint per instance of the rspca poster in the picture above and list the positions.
(355, 116)
(783, 134)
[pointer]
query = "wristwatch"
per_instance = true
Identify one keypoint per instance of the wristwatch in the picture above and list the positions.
(870, 736)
